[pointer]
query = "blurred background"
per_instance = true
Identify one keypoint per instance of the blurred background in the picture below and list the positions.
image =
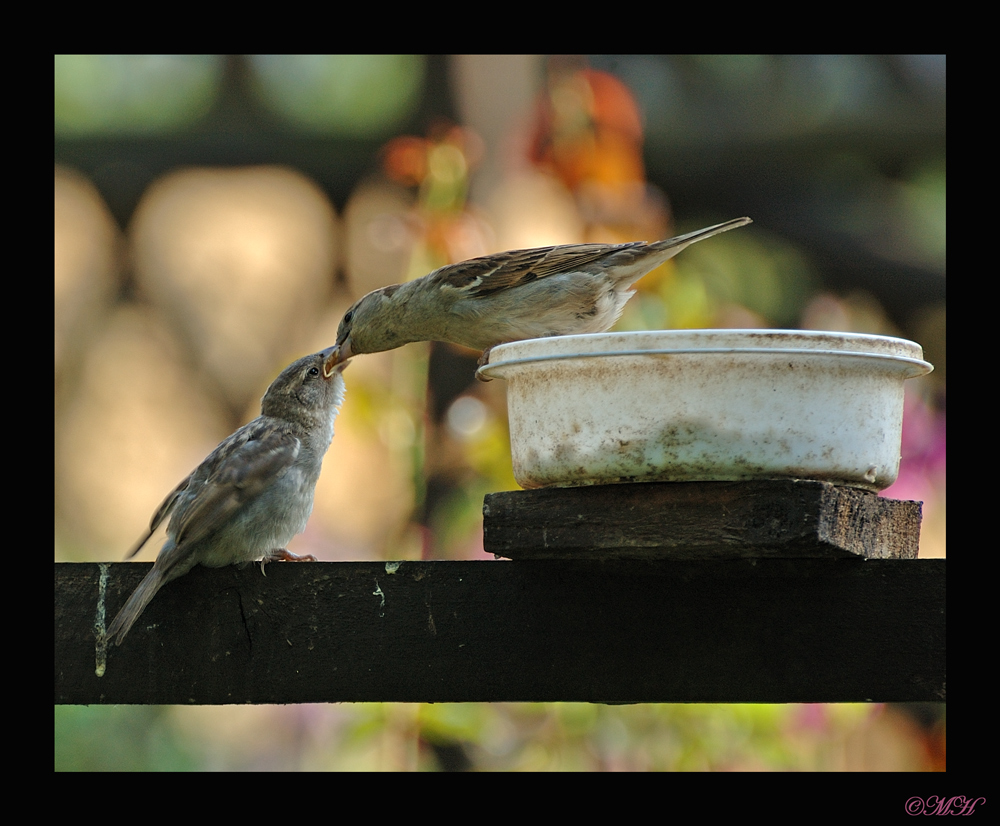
(215, 216)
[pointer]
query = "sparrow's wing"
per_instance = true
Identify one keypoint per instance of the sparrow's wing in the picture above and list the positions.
(480, 277)
(161, 512)
(623, 263)
(237, 472)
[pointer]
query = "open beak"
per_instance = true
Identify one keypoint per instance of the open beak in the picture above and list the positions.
(334, 361)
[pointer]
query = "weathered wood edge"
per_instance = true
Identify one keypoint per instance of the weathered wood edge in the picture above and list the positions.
(871, 526)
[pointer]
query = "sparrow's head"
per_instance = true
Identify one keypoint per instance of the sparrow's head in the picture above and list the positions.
(309, 388)
(373, 324)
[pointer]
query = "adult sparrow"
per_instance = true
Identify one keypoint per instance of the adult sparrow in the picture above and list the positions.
(254, 492)
(509, 296)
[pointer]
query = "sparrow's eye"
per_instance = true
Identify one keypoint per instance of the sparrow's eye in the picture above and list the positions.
(348, 317)
(313, 371)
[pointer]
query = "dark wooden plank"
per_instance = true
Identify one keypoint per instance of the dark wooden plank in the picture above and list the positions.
(700, 520)
(770, 631)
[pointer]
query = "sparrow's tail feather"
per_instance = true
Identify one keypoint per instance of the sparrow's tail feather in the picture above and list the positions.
(632, 262)
(682, 241)
(136, 604)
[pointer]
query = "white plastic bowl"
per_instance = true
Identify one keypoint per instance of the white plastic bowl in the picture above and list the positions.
(706, 405)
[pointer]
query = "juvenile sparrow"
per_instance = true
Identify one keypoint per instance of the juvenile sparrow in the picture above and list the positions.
(254, 492)
(509, 296)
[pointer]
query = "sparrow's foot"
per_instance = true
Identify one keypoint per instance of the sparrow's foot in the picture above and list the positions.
(484, 359)
(284, 555)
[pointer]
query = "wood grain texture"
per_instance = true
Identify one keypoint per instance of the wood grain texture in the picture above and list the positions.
(700, 520)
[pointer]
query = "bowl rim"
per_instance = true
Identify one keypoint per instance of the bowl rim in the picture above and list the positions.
(824, 343)
(913, 367)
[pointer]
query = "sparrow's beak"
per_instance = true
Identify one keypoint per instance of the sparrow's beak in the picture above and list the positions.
(345, 349)
(334, 362)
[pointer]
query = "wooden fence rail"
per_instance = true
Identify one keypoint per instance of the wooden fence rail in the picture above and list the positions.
(816, 628)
